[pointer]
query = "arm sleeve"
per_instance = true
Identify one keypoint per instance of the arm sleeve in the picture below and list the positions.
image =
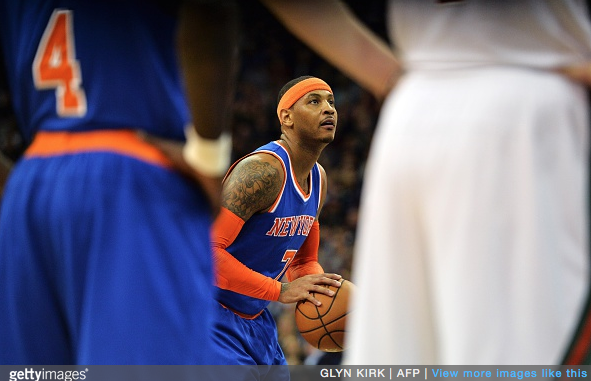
(306, 260)
(230, 273)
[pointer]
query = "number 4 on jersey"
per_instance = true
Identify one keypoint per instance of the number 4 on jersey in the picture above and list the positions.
(55, 65)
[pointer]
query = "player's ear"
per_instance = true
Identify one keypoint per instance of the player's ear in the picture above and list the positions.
(286, 117)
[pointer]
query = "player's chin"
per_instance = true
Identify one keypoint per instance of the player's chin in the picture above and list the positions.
(328, 137)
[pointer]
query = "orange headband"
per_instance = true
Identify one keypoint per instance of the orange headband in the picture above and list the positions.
(298, 90)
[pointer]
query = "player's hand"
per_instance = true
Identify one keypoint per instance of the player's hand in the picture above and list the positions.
(580, 73)
(211, 186)
(301, 288)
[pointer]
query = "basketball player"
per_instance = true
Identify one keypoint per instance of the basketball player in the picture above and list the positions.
(268, 227)
(473, 235)
(105, 249)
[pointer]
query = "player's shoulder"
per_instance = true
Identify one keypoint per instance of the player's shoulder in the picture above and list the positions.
(260, 166)
(253, 185)
(264, 160)
(321, 170)
(323, 175)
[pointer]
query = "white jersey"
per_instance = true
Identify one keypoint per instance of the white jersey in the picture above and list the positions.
(536, 33)
(473, 228)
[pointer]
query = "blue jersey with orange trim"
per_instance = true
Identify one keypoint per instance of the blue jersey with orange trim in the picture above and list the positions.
(269, 241)
(59, 81)
(109, 248)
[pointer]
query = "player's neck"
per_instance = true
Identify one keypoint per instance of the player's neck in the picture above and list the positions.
(302, 157)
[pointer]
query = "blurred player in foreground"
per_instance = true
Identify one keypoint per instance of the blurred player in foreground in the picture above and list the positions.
(104, 249)
(473, 235)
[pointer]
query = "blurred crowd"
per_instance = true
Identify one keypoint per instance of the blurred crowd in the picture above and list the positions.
(270, 57)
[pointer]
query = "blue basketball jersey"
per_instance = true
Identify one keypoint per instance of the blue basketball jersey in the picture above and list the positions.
(109, 249)
(269, 241)
(59, 81)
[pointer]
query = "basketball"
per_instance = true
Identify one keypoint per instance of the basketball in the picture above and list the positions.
(324, 326)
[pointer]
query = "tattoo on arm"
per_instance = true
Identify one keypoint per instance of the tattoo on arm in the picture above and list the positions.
(252, 187)
(284, 288)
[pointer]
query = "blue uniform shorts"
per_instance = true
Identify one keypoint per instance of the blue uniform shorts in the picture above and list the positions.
(104, 259)
(240, 341)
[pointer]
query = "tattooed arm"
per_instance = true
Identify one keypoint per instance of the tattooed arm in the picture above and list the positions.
(253, 185)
